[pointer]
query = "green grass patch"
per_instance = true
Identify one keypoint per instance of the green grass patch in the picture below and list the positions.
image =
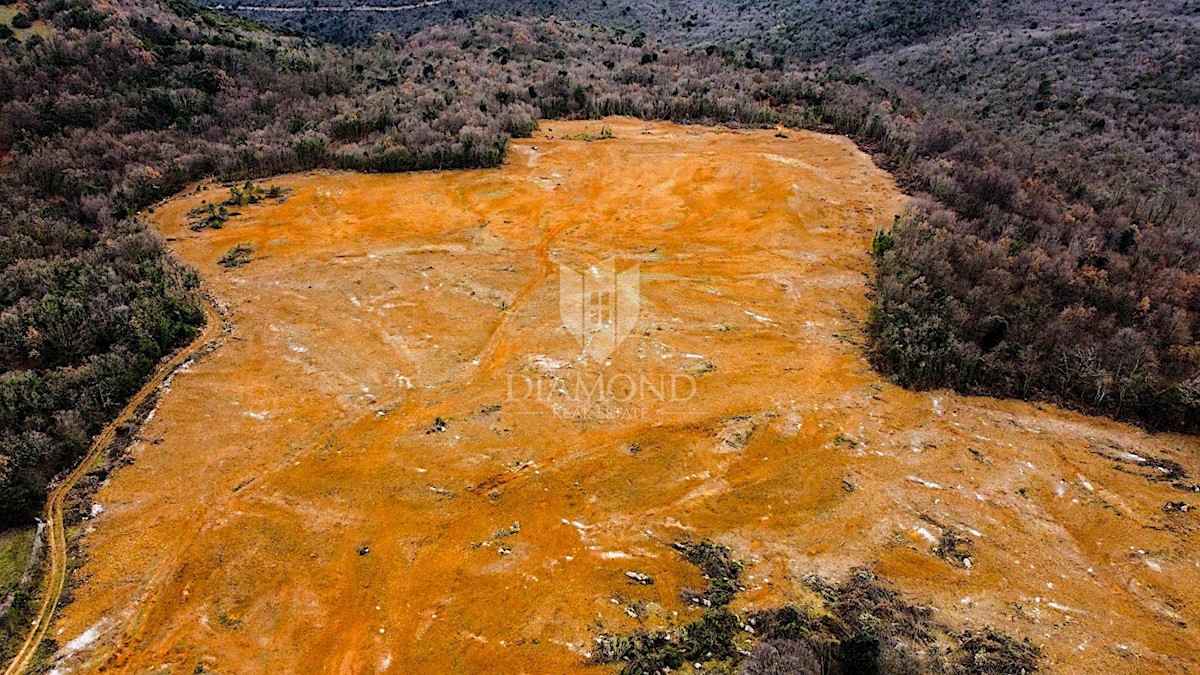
(17, 600)
(588, 135)
(15, 547)
(22, 30)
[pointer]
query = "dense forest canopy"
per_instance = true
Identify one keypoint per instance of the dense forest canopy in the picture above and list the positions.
(1055, 252)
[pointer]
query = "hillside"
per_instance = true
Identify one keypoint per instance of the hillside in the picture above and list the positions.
(1116, 81)
(1050, 252)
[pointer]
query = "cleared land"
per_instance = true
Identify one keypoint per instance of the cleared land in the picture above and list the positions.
(337, 487)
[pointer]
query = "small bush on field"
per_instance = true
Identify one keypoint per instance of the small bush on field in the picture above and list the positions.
(719, 569)
(237, 256)
(250, 193)
(209, 217)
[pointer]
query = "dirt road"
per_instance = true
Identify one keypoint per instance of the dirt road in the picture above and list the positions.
(56, 541)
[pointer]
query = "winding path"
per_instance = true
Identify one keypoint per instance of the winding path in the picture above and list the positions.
(358, 8)
(57, 533)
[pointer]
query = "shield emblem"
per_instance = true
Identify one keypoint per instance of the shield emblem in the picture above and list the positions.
(599, 307)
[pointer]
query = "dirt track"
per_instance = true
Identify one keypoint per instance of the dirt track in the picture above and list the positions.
(56, 548)
(295, 505)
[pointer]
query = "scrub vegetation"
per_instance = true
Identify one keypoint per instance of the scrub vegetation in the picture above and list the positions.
(862, 625)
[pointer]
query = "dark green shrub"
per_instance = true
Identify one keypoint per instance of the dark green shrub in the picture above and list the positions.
(641, 652)
(711, 637)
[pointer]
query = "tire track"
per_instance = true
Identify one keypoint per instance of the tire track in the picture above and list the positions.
(56, 538)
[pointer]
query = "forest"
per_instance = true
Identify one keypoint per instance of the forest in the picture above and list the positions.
(1023, 269)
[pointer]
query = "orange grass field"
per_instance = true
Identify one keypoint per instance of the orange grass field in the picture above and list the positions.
(364, 478)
